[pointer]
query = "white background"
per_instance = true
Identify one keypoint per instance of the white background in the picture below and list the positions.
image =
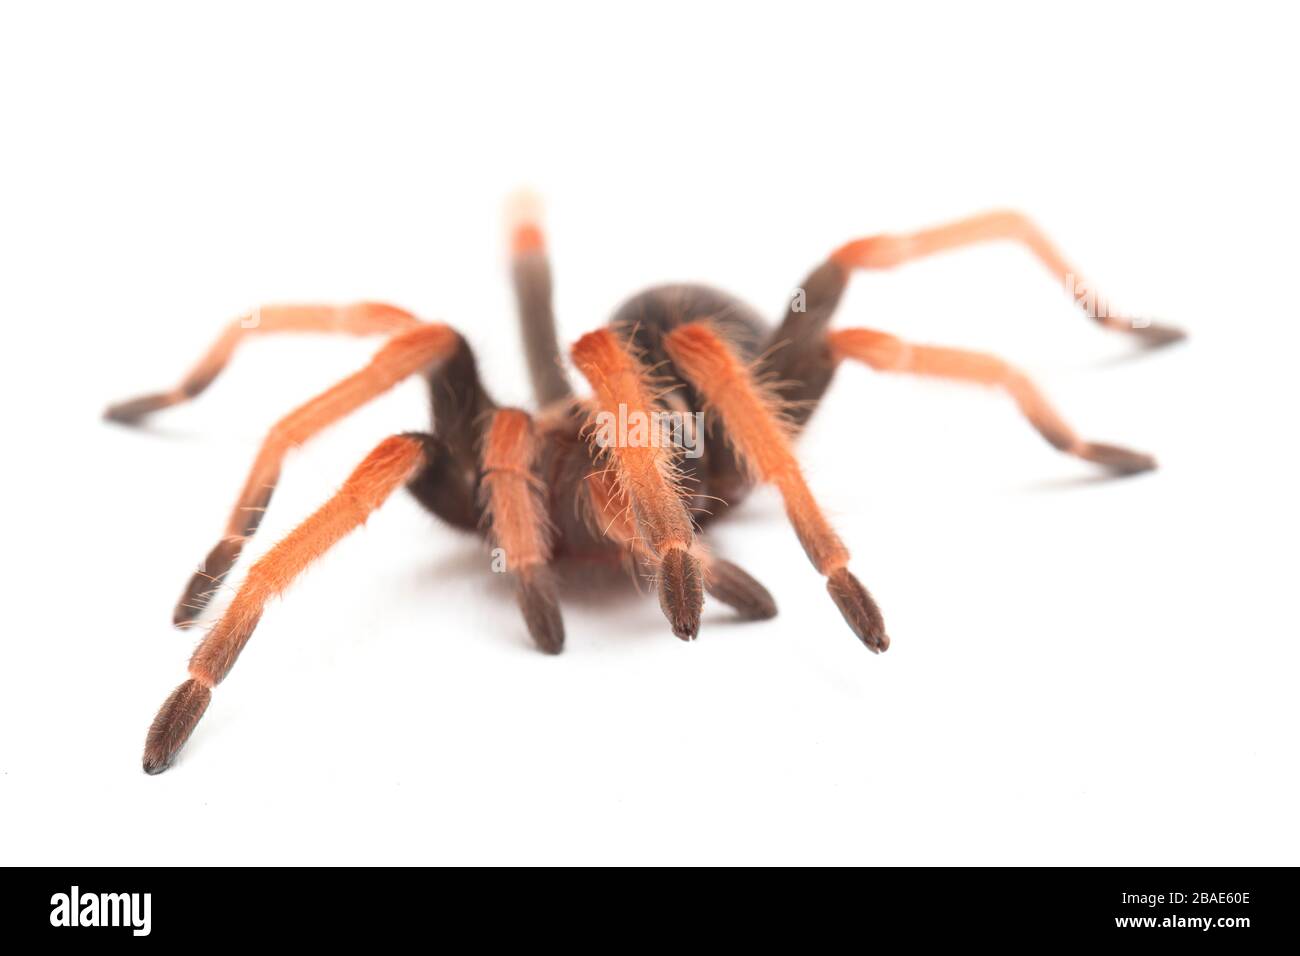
(1083, 671)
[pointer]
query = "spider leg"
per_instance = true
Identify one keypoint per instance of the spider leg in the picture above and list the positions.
(531, 272)
(736, 588)
(799, 359)
(884, 252)
(363, 318)
(404, 355)
(751, 417)
(444, 488)
(517, 522)
(646, 473)
(888, 354)
(393, 462)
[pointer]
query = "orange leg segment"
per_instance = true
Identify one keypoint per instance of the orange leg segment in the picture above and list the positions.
(886, 251)
(518, 523)
(889, 354)
(646, 470)
(404, 355)
(760, 436)
(387, 468)
(362, 318)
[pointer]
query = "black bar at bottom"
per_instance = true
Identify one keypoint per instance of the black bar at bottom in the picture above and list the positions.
(1223, 907)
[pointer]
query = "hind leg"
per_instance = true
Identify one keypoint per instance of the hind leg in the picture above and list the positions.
(531, 271)
(363, 318)
(798, 358)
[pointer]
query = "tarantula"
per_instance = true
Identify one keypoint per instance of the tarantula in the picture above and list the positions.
(538, 486)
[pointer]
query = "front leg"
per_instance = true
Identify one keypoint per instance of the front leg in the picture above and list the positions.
(798, 359)
(753, 420)
(406, 354)
(384, 470)
(646, 474)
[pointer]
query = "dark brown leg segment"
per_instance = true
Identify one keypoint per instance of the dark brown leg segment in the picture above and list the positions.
(444, 488)
(531, 272)
(734, 587)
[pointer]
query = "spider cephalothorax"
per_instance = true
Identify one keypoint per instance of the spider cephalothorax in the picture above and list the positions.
(561, 486)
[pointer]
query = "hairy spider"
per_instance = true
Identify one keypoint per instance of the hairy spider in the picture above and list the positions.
(550, 487)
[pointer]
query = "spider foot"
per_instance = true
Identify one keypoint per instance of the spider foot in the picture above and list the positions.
(859, 610)
(1155, 336)
(535, 592)
(134, 410)
(1119, 460)
(681, 592)
(174, 724)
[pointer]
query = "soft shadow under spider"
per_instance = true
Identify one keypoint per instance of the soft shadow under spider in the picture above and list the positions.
(1139, 352)
(460, 563)
(609, 588)
(1070, 482)
(153, 430)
